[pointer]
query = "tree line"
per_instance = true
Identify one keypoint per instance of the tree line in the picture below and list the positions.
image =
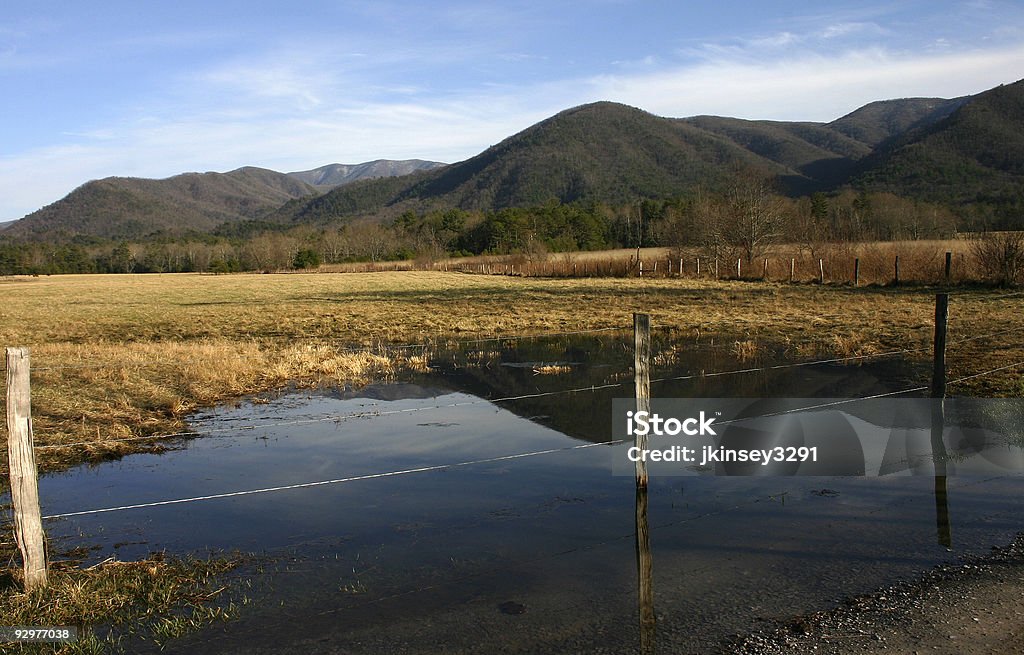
(740, 221)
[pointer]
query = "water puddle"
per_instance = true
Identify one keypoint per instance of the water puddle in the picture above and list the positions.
(525, 554)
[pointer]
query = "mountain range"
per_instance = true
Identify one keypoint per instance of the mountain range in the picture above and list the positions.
(966, 152)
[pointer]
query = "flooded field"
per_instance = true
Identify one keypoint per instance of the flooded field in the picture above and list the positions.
(438, 514)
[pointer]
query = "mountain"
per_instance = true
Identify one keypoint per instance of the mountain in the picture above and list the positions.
(960, 151)
(973, 158)
(615, 153)
(876, 122)
(602, 151)
(135, 208)
(334, 175)
(966, 152)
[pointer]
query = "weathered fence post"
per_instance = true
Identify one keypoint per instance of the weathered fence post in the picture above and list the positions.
(642, 385)
(21, 456)
(641, 269)
(856, 272)
(949, 265)
(939, 350)
(698, 267)
(680, 267)
(896, 271)
(792, 269)
(764, 273)
(821, 271)
(739, 268)
(716, 269)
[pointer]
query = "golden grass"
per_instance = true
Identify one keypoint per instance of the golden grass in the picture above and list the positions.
(117, 356)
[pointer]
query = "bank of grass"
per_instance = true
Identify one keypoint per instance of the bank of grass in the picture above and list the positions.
(116, 604)
(130, 355)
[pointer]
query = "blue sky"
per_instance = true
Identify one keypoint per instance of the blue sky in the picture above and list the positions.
(154, 89)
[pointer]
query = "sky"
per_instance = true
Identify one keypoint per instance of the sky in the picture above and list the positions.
(152, 89)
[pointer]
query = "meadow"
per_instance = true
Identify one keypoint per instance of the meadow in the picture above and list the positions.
(130, 355)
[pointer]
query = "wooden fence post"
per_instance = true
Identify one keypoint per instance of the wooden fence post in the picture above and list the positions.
(764, 273)
(896, 271)
(939, 346)
(739, 268)
(792, 269)
(28, 522)
(642, 385)
(698, 267)
(821, 271)
(856, 272)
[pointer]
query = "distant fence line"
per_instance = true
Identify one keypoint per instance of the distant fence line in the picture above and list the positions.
(796, 270)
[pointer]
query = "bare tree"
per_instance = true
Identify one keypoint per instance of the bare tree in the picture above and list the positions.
(1001, 256)
(755, 216)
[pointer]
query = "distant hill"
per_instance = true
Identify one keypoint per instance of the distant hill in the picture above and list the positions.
(972, 157)
(334, 175)
(614, 153)
(135, 208)
(602, 151)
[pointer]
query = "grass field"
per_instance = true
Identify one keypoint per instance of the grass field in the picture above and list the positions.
(117, 356)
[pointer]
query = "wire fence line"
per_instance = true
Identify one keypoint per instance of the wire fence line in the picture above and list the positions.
(384, 348)
(590, 388)
(540, 394)
(448, 466)
(988, 372)
(354, 478)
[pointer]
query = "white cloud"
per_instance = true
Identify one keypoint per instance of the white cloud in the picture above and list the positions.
(809, 86)
(837, 30)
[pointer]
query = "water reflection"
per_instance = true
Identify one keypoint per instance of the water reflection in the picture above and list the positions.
(533, 555)
(943, 529)
(645, 574)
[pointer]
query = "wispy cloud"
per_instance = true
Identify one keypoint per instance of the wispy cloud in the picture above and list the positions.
(809, 86)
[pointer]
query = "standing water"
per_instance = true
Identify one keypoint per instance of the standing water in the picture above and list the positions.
(428, 536)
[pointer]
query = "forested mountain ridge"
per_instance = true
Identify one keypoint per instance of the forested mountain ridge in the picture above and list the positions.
(612, 153)
(966, 153)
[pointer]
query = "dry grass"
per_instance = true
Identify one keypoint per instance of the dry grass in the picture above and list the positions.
(920, 262)
(117, 356)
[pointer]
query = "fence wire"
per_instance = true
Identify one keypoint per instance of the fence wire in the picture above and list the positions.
(439, 467)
